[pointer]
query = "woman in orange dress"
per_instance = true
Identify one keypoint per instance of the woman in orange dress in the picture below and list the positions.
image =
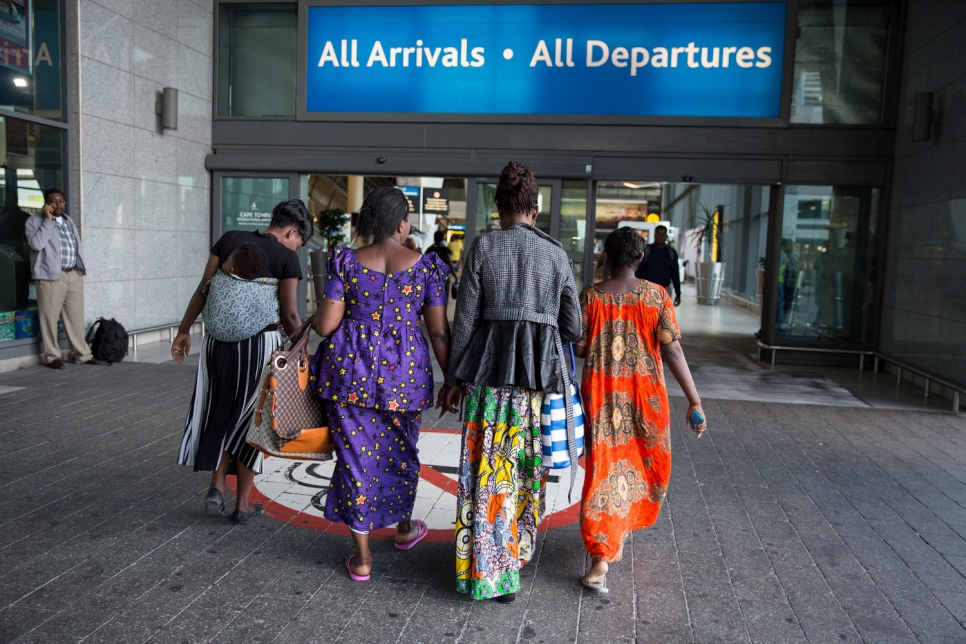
(629, 326)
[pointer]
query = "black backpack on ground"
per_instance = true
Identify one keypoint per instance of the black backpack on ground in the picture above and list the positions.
(108, 340)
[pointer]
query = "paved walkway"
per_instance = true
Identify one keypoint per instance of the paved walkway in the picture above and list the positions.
(787, 522)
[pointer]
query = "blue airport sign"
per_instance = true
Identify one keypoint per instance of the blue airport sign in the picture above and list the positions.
(677, 60)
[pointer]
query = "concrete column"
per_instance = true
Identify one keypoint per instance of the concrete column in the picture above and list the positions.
(355, 196)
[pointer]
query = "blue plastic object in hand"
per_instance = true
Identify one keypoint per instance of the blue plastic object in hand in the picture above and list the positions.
(696, 418)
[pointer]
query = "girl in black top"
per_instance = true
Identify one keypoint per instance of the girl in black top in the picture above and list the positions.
(230, 373)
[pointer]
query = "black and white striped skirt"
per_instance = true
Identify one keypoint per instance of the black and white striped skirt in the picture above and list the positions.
(226, 390)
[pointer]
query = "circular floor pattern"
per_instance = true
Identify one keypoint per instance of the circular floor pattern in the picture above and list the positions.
(294, 491)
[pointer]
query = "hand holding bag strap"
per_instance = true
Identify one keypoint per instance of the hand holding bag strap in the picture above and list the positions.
(298, 352)
(300, 339)
(573, 365)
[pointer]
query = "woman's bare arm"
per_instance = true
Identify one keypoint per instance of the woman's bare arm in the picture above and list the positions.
(328, 317)
(288, 307)
(181, 345)
(438, 328)
(673, 355)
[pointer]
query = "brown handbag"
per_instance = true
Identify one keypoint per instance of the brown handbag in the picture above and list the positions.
(289, 421)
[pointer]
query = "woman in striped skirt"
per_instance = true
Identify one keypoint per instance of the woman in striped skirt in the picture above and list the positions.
(230, 373)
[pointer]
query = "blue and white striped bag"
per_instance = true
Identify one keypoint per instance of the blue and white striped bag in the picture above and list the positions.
(553, 424)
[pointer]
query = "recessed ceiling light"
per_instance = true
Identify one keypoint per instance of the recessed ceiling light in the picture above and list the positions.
(20, 82)
(632, 186)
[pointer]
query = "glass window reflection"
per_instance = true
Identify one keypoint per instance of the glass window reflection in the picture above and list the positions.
(626, 203)
(573, 225)
(841, 61)
(31, 70)
(247, 202)
(257, 59)
(487, 211)
(32, 161)
(826, 271)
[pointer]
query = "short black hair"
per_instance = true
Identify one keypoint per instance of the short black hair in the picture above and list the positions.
(624, 247)
(439, 236)
(249, 261)
(381, 213)
(662, 226)
(53, 191)
(293, 213)
(517, 191)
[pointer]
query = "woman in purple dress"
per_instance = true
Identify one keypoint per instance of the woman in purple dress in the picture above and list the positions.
(374, 375)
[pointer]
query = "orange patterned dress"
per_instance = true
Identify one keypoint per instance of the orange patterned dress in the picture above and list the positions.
(629, 458)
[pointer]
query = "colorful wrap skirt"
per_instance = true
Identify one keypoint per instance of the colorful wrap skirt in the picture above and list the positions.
(501, 489)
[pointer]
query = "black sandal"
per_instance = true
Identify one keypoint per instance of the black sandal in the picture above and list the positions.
(215, 502)
(241, 518)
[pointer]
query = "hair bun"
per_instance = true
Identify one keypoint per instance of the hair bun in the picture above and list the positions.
(517, 190)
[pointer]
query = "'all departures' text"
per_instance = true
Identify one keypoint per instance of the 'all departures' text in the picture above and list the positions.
(560, 52)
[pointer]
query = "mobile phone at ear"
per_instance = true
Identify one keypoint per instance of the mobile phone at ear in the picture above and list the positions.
(696, 418)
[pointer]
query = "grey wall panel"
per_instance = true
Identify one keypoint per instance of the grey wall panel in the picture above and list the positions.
(442, 162)
(846, 142)
(839, 173)
(295, 134)
(401, 164)
(702, 141)
(755, 171)
(924, 312)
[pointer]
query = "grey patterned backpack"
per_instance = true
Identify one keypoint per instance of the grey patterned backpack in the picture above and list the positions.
(237, 309)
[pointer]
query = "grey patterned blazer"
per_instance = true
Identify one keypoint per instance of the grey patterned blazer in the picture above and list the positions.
(516, 275)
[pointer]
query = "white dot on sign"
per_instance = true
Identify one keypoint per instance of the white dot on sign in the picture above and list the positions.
(508, 53)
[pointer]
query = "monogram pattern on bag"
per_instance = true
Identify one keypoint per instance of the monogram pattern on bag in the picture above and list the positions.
(295, 408)
(286, 404)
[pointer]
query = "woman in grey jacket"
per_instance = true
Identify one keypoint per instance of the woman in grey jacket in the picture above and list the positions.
(517, 308)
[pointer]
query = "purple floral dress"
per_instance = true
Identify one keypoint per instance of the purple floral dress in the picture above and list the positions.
(375, 377)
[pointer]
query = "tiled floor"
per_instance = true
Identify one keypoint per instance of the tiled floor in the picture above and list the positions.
(785, 523)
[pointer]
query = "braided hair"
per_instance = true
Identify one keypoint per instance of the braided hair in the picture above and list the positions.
(624, 247)
(517, 191)
(381, 213)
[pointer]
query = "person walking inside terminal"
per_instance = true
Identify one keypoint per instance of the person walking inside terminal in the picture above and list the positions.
(440, 248)
(629, 325)
(456, 247)
(57, 267)
(374, 374)
(230, 373)
(517, 305)
(660, 264)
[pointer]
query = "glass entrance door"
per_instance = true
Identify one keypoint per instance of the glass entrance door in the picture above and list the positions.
(562, 214)
(488, 219)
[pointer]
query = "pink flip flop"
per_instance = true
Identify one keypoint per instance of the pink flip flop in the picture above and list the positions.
(352, 575)
(423, 531)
